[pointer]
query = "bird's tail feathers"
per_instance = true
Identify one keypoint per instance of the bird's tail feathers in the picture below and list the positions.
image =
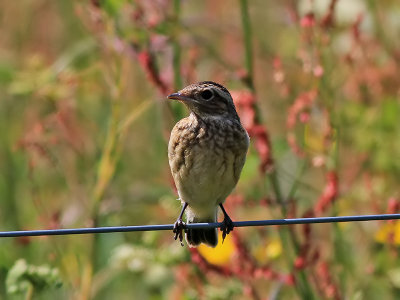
(208, 236)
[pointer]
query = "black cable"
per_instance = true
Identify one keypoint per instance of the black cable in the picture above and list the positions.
(199, 225)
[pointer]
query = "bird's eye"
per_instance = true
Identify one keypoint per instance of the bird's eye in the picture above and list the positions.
(206, 94)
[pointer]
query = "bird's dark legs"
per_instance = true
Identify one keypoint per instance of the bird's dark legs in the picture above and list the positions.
(227, 224)
(180, 225)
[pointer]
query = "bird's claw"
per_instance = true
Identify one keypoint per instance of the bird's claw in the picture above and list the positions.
(226, 227)
(179, 226)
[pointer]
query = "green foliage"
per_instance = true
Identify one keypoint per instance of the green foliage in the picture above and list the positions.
(22, 278)
(84, 125)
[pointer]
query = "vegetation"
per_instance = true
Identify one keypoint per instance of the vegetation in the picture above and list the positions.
(84, 124)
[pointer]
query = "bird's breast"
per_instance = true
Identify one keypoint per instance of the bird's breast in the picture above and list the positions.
(205, 158)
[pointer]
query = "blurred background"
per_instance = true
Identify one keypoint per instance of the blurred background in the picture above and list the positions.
(84, 125)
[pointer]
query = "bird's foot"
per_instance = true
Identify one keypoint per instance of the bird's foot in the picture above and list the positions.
(226, 227)
(179, 226)
(227, 224)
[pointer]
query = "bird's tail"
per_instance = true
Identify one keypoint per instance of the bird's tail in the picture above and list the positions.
(195, 237)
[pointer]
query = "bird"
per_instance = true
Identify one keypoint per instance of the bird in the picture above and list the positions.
(206, 152)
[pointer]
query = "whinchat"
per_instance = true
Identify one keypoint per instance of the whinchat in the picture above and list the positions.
(206, 152)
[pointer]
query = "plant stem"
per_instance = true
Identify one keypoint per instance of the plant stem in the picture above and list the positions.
(247, 42)
(29, 292)
(176, 59)
(106, 169)
(286, 235)
(176, 47)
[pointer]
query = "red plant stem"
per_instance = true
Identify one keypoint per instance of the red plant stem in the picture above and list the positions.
(329, 193)
(146, 61)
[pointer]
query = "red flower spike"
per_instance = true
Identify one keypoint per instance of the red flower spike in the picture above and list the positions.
(356, 28)
(393, 206)
(290, 280)
(326, 282)
(328, 20)
(299, 263)
(245, 103)
(146, 61)
(302, 103)
(329, 193)
(277, 62)
(308, 21)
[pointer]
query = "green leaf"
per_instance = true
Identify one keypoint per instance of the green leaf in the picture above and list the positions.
(112, 7)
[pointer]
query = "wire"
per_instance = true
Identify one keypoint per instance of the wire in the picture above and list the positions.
(199, 225)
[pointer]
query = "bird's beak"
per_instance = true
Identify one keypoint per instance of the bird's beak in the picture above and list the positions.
(179, 96)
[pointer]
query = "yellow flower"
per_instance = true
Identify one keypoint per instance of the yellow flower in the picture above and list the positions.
(274, 249)
(220, 255)
(389, 232)
(265, 253)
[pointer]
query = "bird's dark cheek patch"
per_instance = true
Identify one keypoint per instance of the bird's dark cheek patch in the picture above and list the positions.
(221, 105)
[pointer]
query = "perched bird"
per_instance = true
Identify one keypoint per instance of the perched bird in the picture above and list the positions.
(206, 152)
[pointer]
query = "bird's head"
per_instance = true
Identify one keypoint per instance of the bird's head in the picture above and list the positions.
(207, 99)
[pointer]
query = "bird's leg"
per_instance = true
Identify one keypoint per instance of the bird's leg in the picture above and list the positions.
(180, 225)
(227, 224)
